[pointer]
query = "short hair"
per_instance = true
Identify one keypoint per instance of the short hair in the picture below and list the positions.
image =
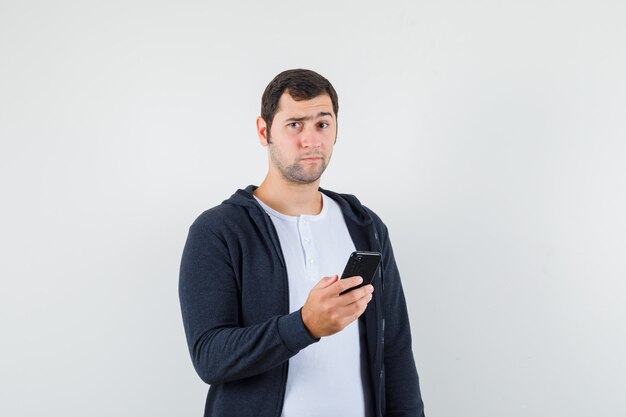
(301, 84)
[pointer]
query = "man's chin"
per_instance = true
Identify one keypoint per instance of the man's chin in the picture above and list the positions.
(300, 174)
(304, 179)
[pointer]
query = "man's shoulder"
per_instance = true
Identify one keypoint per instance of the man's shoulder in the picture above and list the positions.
(218, 217)
(228, 210)
(353, 205)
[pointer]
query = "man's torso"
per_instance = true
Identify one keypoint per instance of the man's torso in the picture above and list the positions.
(325, 378)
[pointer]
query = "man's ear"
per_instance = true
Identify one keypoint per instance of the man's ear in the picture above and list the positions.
(261, 130)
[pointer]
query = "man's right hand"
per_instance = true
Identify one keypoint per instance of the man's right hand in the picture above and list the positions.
(326, 312)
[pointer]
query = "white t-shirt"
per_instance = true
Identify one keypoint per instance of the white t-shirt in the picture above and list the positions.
(325, 378)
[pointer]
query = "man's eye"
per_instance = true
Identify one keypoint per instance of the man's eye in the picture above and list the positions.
(294, 124)
(324, 125)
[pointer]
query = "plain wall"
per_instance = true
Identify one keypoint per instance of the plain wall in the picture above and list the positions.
(489, 135)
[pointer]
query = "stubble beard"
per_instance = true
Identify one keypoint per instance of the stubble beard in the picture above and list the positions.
(297, 172)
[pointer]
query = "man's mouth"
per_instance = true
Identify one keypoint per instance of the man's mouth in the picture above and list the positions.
(311, 158)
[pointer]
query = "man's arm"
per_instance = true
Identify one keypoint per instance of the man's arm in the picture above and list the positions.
(402, 391)
(221, 350)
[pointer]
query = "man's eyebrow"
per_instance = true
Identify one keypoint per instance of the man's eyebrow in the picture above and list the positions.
(304, 118)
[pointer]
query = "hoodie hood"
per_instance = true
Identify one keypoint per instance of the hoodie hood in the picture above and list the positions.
(350, 205)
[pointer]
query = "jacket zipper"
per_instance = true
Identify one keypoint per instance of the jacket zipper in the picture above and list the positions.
(381, 348)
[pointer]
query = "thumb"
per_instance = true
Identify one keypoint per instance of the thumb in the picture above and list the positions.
(327, 281)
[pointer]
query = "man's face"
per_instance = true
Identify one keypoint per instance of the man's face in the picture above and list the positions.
(302, 138)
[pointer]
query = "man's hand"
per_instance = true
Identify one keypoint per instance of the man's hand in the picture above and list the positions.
(326, 312)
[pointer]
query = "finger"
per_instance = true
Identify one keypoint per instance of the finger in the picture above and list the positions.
(327, 282)
(346, 283)
(365, 303)
(359, 295)
(362, 303)
(354, 310)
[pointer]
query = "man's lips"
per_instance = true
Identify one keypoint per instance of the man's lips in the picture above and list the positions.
(311, 158)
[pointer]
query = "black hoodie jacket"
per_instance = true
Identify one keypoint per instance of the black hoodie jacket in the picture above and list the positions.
(235, 306)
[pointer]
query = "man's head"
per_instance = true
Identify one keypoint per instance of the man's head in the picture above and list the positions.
(300, 84)
(299, 114)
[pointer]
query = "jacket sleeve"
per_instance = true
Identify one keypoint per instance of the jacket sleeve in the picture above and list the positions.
(221, 349)
(402, 391)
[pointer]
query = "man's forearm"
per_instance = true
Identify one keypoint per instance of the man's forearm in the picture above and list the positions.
(225, 354)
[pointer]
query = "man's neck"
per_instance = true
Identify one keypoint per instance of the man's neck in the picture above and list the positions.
(289, 198)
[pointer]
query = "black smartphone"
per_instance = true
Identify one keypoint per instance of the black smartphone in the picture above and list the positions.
(363, 264)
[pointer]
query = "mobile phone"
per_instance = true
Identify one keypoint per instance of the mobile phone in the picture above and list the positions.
(363, 264)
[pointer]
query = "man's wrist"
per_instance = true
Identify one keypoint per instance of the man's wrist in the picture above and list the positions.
(294, 333)
(303, 313)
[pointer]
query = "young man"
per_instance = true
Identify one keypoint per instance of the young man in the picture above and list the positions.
(265, 322)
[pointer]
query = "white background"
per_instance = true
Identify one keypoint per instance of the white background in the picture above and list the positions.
(489, 135)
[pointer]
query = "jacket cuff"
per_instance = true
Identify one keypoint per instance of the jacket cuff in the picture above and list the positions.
(293, 332)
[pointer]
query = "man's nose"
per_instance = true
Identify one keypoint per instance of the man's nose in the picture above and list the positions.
(310, 138)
